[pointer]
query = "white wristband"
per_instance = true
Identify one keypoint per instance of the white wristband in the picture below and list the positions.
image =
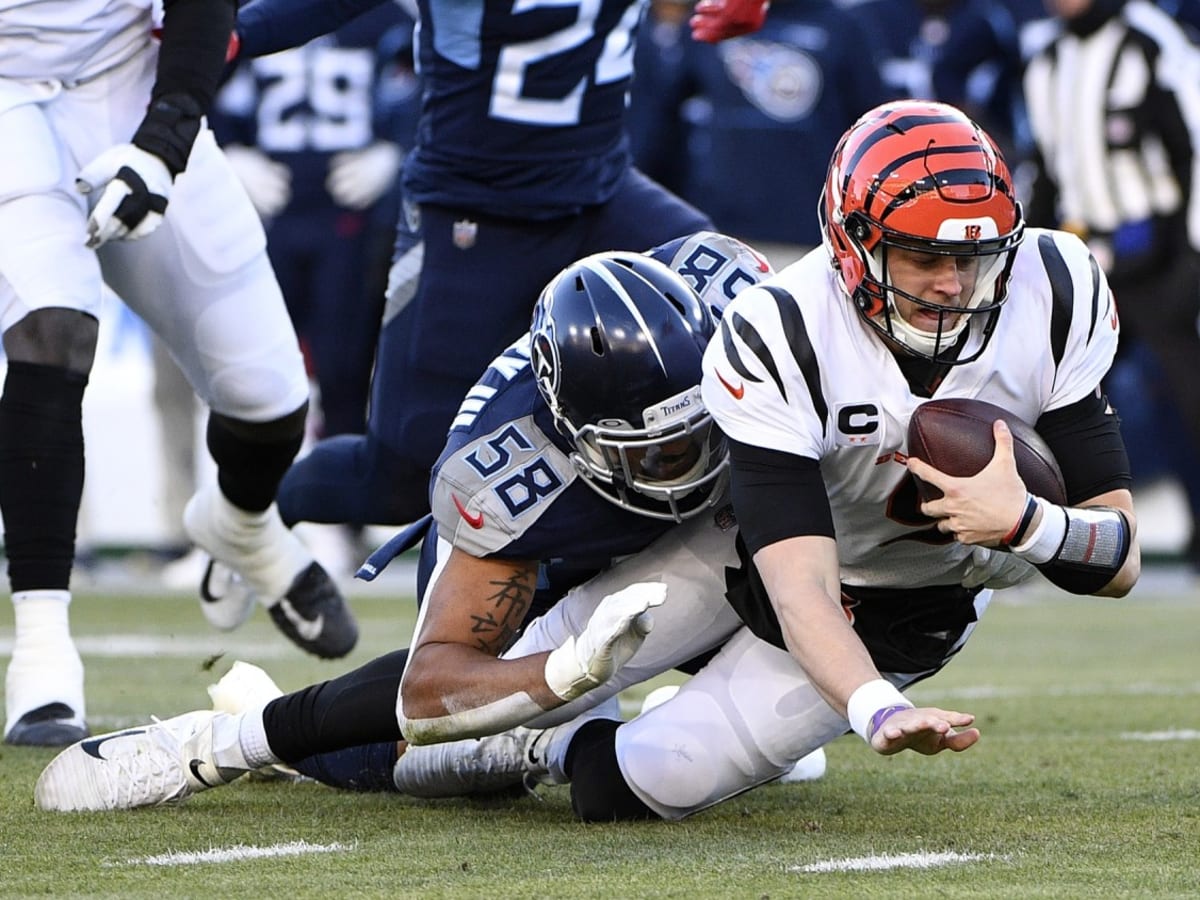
(1042, 546)
(564, 675)
(869, 699)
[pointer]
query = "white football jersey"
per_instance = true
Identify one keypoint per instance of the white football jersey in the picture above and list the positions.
(70, 40)
(794, 368)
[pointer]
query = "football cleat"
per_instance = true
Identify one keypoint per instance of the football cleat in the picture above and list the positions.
(52, 725)
(314, 615)
(807, 768)
(225, 599)
(164, 762)
(473, 766)
(275, 568)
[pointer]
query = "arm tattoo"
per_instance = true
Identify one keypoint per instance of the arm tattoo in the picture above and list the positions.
(495, 629)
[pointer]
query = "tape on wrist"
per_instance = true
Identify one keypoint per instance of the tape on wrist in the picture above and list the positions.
(1042, 546)
(878, 698)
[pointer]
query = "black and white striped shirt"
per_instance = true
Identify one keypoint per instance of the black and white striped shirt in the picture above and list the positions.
(1115, 114)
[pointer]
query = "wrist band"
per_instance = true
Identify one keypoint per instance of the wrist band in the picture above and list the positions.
(1018, 530)
(875, 698)
(1043, 545)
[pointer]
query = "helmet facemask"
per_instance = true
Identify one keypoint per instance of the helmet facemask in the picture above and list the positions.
(670, 469)
(988, 260)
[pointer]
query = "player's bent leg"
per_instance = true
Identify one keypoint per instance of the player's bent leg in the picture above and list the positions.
(743, 720)
(496, 762)
(353, 478)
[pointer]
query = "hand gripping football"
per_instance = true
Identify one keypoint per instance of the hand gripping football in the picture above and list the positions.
(955, 436)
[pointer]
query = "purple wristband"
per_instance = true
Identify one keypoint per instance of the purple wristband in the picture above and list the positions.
(881, 716)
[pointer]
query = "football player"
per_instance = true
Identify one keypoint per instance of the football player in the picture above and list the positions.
(585, 442)
(111, 177)
(928, 286)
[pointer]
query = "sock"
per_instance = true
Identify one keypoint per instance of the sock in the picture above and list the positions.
(45, 666)
(599, 792)
(226, 743)
(252, 740)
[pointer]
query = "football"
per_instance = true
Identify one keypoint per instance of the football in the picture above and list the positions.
(955, 437)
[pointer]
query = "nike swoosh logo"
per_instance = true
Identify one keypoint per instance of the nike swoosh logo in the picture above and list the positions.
(92, 747)
(194, 766)
(737, 392)
(308, 629)
(475, 521)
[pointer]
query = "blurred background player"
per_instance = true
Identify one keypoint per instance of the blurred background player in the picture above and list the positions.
(1114, 103)
(317, 135)
(521, 166)
(99, 126)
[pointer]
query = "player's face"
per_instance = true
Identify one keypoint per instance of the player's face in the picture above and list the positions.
(946, 281)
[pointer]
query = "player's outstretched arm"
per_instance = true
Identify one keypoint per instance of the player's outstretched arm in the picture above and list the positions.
(457, 686)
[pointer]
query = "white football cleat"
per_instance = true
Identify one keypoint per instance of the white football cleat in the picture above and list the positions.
(225, 599)
(274, 568)
(247, 687)
(163, 762)
(807, 768)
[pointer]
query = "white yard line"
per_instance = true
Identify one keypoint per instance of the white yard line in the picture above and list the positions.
(1178, 734)
(920, 860)
(236, 853)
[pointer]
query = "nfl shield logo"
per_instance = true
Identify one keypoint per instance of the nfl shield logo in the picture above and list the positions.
(464, 234)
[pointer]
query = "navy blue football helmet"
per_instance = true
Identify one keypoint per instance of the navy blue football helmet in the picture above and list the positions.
(616, 343)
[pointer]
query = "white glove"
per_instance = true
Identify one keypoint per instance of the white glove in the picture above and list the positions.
(996, 569)
(133, 187)
(612, 635)
(357, 178)
(268, 183)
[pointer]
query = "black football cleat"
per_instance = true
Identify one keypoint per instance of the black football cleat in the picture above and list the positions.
(52, 725)
(314, 615)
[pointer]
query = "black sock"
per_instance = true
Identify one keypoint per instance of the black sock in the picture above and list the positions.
(598, 789)
(349, 711)
(41, 472)
(251, 457)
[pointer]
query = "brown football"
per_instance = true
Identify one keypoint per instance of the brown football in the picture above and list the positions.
(955, 436)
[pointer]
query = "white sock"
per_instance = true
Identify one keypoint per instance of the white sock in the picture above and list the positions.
(226, 745)
(275, 555)
(252, 738)
(45, 666)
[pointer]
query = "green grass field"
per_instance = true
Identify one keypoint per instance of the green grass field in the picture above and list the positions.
(1086, 783)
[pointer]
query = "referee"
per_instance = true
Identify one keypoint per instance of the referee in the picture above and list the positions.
(1114, 107)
